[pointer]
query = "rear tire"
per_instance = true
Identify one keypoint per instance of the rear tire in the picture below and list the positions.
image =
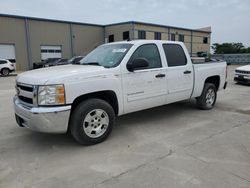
(92, 121)
(208, 97)
(5, 72)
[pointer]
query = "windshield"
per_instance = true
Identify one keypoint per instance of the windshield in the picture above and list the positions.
(107, 55)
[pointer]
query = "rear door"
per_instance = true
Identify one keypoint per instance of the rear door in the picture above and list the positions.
(3, 64)
(146, 87)
(179, 73)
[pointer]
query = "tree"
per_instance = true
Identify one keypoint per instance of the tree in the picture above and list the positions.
(230, 48)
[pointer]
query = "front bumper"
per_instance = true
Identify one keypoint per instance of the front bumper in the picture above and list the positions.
(242, 79)
(42, 119)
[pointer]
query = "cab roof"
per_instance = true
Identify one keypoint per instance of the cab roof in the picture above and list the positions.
(139, 42)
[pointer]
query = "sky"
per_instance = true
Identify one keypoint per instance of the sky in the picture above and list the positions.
(229, 19)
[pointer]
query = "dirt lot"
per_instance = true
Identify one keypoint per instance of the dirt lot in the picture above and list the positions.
(171, 146)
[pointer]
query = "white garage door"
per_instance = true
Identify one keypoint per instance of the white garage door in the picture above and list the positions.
(7, 52)
(51, 52)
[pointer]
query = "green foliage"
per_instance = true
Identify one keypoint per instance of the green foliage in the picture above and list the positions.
(230, 48)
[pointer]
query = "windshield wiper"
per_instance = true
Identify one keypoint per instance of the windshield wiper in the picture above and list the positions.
(94, 63)
(91, 63)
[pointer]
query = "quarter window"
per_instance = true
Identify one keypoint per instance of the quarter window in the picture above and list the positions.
(150, 53)
(175, 55)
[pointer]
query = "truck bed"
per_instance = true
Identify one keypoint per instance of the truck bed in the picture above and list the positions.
(204, 70)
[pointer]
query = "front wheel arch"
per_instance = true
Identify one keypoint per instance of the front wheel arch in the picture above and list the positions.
(107, 95)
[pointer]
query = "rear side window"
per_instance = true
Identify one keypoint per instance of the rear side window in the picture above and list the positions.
(2, 62)
(150, 53)
(175, 55)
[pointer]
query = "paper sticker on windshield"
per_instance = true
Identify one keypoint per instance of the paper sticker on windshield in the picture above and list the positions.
(120, 50)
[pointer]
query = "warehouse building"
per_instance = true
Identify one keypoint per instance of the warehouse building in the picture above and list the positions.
(26, 40)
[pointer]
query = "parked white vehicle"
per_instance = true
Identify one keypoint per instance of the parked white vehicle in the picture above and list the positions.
(112, 80)
(6, 67)
(242, 74)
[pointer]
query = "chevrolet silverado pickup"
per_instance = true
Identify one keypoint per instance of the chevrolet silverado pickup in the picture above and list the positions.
(114, 79)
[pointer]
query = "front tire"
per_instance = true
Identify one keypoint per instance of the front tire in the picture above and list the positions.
(92, 121)
(5, 72)
(208, 97)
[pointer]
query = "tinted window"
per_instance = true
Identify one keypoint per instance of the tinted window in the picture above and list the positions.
(141, 34)
(157, 36)
(150, 53)
(12, 60)
(2, 62)
(111, 38)
(126, 35)
(175, 55)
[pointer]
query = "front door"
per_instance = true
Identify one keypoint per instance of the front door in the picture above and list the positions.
(146, 87)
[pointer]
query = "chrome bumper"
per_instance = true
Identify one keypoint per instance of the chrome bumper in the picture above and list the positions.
(42, 119)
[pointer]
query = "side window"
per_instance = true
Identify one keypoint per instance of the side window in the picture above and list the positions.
(2, 62)
(175, 55)
(150, 53)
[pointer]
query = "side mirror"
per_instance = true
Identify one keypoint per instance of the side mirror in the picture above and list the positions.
(137, 64)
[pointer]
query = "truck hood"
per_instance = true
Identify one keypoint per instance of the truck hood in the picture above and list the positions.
(59, 74)
(244, 68)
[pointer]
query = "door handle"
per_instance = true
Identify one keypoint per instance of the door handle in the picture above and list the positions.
(187, 72)
(160, 75)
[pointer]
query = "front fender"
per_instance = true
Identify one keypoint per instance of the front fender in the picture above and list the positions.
(112, 82)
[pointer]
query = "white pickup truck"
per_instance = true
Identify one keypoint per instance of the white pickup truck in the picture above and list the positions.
(112, 80)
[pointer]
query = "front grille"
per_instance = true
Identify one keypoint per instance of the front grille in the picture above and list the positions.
(25, 93)
(25, 88)
(25, 99)
(242, 72)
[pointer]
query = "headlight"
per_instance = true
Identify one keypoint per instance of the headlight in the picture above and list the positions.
(51, 95)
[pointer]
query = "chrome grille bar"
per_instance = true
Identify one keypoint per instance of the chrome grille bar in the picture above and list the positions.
(26, 94)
